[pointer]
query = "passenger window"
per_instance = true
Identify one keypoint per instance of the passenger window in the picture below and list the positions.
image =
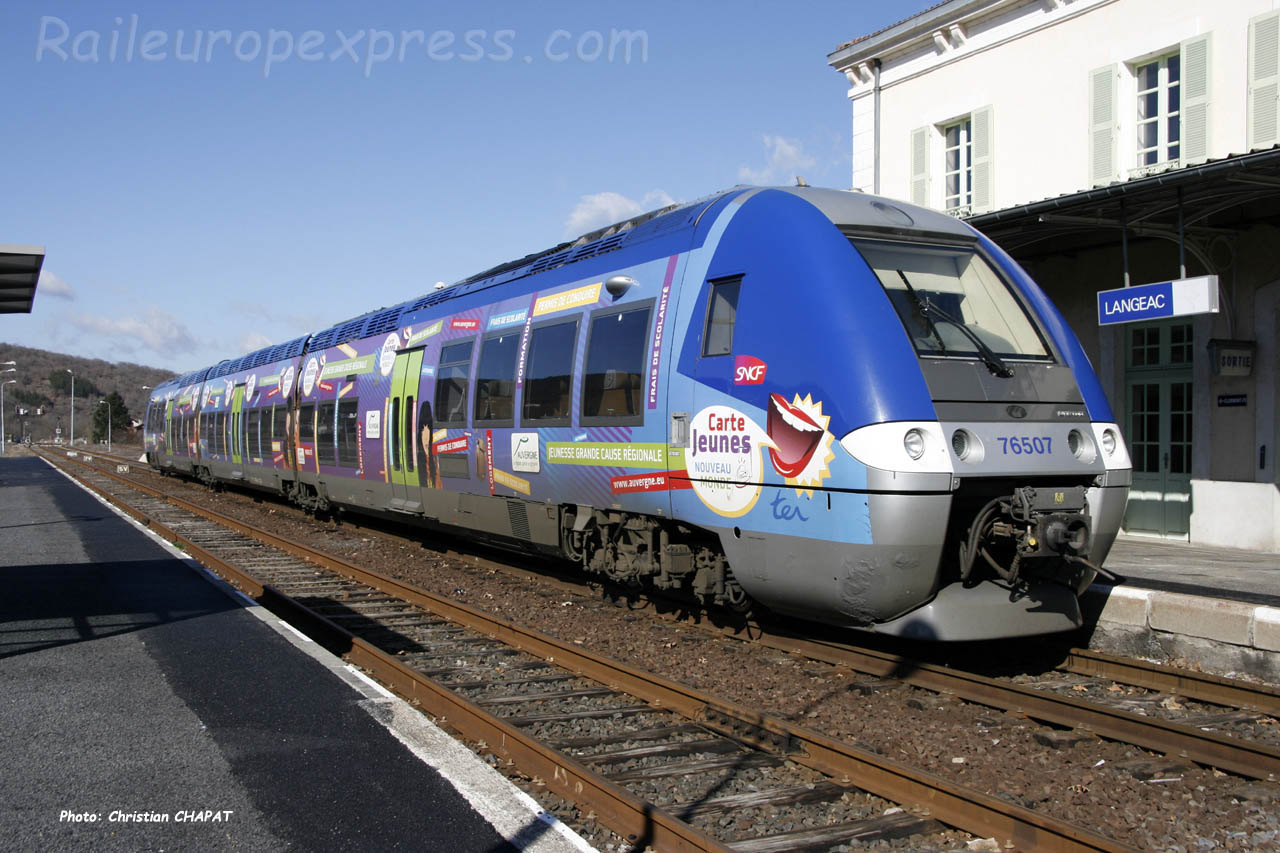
(279, 426)
(548, 376)
(326, 452)
(307, 423)
(451, 384)
(255, 432)
(722, 312)
(348, 433)
(496, 378)
(613, 387)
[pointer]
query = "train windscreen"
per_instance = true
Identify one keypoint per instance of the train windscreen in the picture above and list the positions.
(952, 302)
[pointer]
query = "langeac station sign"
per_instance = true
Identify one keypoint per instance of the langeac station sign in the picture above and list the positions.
(1162, 299)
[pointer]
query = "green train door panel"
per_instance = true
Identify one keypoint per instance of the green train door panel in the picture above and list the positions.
(1158, 399)
(168, 428)
(401, 453)
(237, 425)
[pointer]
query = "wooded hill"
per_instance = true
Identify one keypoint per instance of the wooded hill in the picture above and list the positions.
(42, 388)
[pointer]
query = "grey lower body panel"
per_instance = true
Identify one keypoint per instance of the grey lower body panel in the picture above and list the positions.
(989, 611)
(1106, 506)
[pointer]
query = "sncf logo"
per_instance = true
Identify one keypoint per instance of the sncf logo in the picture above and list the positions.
(748, 370)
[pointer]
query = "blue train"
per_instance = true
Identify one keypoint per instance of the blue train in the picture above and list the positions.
(847, 409)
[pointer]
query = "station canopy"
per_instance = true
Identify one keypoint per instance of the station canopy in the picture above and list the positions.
(1215, 199)
(19, 273)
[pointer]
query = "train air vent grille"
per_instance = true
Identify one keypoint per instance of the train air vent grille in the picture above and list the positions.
(348, 331)
(322, 341)
(382, 322)
(519, 519)
(550, 262)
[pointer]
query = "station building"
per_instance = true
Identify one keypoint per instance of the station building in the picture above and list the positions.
(1104, 144)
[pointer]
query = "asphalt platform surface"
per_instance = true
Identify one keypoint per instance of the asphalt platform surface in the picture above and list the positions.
(144, 707)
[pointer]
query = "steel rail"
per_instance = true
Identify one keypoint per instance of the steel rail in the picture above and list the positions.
(957, 805)
(1200, 686)
(1245, 758)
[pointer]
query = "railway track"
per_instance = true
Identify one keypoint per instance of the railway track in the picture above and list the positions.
(657, 762)
(1219, 722)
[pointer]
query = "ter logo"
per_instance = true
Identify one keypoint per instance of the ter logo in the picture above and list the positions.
(748, 370)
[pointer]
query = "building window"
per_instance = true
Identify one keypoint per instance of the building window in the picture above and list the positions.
(958, 160)
(1159, 110)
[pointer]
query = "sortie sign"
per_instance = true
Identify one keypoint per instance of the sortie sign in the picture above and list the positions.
(1161, 299)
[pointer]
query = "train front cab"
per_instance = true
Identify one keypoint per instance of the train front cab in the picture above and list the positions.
(1038, 473)
(989, 475)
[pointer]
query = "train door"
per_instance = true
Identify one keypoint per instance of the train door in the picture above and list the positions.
(401, 453)
(237, 425)
(728, 478)
(168, 428)
(1159, 406)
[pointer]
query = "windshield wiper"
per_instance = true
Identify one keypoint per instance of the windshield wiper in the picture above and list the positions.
(924, 311)
(989, 357)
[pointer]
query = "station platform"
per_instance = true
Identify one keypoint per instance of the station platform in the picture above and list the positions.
(147, 705)
(1215, 607)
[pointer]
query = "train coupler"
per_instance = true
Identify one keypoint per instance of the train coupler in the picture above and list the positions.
(1032, 527)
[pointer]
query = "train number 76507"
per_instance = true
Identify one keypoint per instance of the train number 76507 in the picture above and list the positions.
(1022, 444)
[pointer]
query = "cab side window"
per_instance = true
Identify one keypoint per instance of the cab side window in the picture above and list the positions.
(722, 314)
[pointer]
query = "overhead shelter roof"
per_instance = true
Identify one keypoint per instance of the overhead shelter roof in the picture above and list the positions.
(1217, 198)
(19, 272)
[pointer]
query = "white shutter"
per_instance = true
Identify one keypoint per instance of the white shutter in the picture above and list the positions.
(1264, 80)
(983, 128)
(920, 166)
(1196, 61)
(1102, 125)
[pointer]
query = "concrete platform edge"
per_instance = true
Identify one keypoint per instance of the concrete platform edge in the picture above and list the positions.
(515, 815)
(1223, 636)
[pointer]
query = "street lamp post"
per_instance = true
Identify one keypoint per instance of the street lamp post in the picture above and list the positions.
(3, 436)
(73, 406)
(100, 402)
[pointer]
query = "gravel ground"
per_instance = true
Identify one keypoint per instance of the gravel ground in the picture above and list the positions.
(1176, 807)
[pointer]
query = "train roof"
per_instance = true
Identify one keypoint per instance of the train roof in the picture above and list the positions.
(592, 244)
(266, 355)
(851, 210)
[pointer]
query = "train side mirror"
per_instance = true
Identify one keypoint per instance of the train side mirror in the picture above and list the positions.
(619, 285)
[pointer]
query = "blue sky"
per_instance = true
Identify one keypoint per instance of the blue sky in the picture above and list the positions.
(292, 169)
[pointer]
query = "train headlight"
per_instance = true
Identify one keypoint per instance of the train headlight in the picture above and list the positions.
(966, 446)
(1109, 442)
(1081, 446)
(913, 443)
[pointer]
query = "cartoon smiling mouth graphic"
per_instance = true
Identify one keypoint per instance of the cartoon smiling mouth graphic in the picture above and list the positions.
(795, 436)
